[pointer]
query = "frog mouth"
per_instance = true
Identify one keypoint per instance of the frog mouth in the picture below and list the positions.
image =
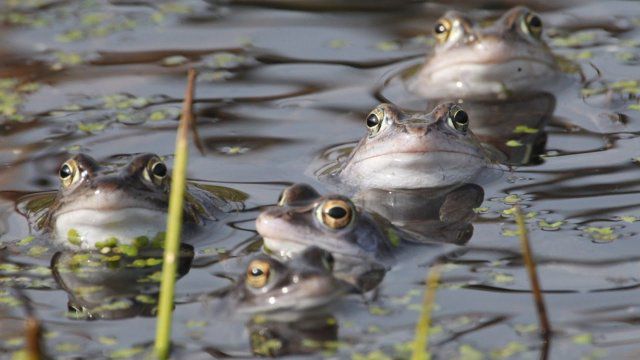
(419, 154)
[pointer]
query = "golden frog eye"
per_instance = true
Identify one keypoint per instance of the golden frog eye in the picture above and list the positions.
(156, 170)
(532, 25)
(374, 121)
(441, 30)
(458, 119)
(69, 173)
(258, 273)
(335, 214)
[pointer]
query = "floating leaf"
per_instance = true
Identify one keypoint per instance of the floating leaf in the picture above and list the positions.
(126, 353)
(523, 129)
(502, 278)
(26, 241)
(511, 199)
(468, 352)
(547, 226)
(338, 43)
(379, 311)
(107, 340)
(509, 350)
(628, 218)
(37, 251)
(175, 60)
(510, 233)
(387, 46)
(583, 339)
(73, 237)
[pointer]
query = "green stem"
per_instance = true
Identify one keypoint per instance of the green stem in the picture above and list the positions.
(174, 224)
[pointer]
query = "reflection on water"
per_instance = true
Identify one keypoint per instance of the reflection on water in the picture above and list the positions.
(113, 286)
(305, 335)
(281, 81)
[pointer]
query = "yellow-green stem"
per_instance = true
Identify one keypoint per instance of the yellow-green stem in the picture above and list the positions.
(421, 341)
(174, 224)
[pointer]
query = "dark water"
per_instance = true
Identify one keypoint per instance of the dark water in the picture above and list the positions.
(280, 83)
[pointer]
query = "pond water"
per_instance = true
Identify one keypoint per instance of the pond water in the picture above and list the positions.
(281, 85)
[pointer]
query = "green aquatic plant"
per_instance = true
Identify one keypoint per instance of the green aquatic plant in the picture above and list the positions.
(421, 341)
(12, 94)
(174, 224)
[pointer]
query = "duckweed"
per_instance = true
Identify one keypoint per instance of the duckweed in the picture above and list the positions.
(582, 339)
(468, 352)
(37, 251)
(26, 241)
(126, 353)
(550, 226)
(387, 46)
(523, 129)
(509, 350)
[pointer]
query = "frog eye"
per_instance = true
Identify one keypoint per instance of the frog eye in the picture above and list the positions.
(374, 121)
(441, 30)
(156, 170)
(69, 173)
(335, 214)
(458, 119)
(258, 273)
(532, 24)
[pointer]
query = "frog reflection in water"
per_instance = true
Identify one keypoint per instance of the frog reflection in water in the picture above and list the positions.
(98, 201)
(508, 57)
(305, 282)
(359, 241)
(306, 335)
(113, 287)
(412, 150)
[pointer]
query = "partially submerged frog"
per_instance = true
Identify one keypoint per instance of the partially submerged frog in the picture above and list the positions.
(470, 61)
(359, 242)
(411, 150)
(440, 215)
(302, 283)
(98, 201)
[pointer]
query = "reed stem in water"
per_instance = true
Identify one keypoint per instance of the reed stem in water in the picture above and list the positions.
(545, 327)
(421, 341)
(174, 223)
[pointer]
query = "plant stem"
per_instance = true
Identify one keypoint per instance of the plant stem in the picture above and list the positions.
(545, 327)
(174, 224)
(421, 341)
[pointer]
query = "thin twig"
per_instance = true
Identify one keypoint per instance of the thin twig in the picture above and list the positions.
(33, 333)
(174, 223)
(32, 328)
(545, 327)
(421, 341)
